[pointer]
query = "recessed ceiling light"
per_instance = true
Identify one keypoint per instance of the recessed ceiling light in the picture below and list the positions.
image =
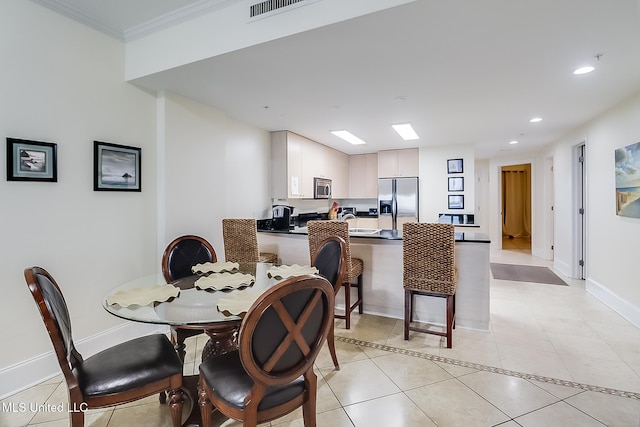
(584, 70)
(348, 136)
(536, 120)
(406, 131)
(514, 142)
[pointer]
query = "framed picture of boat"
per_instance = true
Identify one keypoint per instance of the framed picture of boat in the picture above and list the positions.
(628, 181)
(31, 160)
(116, 167)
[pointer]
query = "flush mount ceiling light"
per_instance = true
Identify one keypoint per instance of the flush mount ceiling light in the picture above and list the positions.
(535, 120)
(584, 70)
(406, 131)
(348, 136)
(514, 142)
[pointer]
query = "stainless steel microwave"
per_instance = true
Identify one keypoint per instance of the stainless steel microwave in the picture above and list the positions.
(321, 188)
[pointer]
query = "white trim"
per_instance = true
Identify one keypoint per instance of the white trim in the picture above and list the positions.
(30, 372)
(127, 34)
(622, 307)
(562, 267)
(174, 17)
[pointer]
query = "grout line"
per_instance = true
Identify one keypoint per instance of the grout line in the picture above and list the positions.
(492, 369)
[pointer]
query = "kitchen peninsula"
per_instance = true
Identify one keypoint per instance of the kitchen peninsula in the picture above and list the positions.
(381, 252)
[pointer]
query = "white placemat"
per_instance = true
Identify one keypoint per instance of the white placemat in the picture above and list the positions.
(214, 267)
(237, 303)
(222, 281)
(143, 296)
(284, 271)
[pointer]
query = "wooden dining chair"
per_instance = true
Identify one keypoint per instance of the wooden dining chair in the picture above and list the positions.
(123, 373)
(240, 237)
(320, 230)
(180, 255)
(429, 269)
(271, 373)
(331, 261)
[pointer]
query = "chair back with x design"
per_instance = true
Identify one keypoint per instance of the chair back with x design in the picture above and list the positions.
(283, 332)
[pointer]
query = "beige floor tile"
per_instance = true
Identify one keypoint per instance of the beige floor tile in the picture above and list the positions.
(151, 414)
(526, 360)
(614, 332)
(594, 347)
(605, 373)
(450, 404)
(333, 418)
(609, 410)
(91, 419)
(559, 391)
(19, 409)
(409, 372)
(358, 381)
(345, 352)
(59, 398)
(391, 411)
(557, 415)
(524, 338)
(424, 343)
(326, 401)
(456, 370)
(522, 396)
(560, 324)
(374, 329)
(470, 350)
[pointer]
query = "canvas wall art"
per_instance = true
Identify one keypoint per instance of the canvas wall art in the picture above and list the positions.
(628, 181)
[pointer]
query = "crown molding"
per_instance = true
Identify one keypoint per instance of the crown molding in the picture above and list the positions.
(179, 15)
(76, 15)
(164, 21)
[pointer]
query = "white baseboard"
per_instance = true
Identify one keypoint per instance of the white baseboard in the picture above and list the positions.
(30, 372)
(621, 306)
(563, 267)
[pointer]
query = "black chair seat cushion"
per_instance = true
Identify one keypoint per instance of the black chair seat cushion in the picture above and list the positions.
(228, 380)
(127, 366)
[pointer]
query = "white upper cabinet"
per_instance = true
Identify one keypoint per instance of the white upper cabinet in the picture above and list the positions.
(363, 176)
(296, 160)
(396, 163)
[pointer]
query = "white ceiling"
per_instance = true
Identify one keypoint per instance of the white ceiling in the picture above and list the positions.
(468, 71)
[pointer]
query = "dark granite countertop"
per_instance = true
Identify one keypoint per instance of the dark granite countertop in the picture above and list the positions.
(471, 237)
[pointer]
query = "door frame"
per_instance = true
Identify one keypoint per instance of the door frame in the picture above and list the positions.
(579, 191)
(495, 198)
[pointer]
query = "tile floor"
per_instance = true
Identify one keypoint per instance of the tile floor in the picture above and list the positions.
(555, 356)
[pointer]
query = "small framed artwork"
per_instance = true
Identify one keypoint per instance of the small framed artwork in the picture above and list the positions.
(31, 160)
(456, 183)
(454, 166)
(456, 201)
(116, 167)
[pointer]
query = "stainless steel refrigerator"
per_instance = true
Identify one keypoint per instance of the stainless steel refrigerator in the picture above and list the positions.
(397, 202)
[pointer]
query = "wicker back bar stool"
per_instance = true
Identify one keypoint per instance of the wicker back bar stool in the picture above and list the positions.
(428, 256)
(240, 237)
(318, 231)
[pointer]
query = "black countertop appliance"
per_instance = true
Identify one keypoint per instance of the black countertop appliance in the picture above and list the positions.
(282, 216)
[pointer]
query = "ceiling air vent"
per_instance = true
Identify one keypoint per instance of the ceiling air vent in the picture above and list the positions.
(269, 6)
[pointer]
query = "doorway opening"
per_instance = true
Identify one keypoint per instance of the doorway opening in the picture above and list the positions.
(516, 207)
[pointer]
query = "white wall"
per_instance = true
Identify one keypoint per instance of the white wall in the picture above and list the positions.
(62, 82)
(434, 183)
(215, 167)
(612, 241)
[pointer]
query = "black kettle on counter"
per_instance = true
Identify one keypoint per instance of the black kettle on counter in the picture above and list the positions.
(282, 217)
